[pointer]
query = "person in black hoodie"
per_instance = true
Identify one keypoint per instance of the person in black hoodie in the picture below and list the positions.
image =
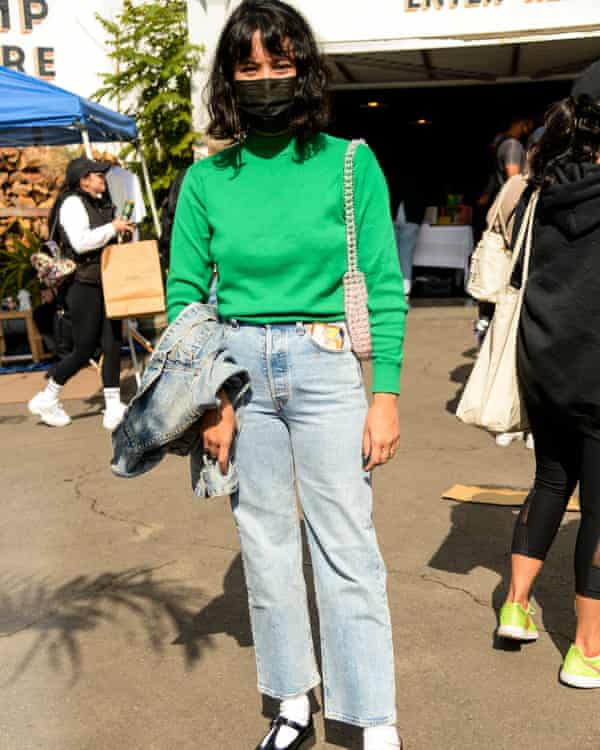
(558, 367)
(83, 220)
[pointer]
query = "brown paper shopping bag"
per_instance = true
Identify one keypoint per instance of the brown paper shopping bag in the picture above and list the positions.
(132, 280)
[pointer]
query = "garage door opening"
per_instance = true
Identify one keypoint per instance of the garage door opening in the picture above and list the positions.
(434, 142)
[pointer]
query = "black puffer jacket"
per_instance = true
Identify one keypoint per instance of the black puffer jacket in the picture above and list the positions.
(559, 340)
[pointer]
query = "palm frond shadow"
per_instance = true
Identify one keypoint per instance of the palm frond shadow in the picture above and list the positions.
(60, 615)
(226, 613)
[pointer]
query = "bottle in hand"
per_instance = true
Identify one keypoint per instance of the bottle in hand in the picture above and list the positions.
(127, 211)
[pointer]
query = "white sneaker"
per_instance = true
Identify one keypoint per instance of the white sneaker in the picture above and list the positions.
(504, 439)
(113, 416)
(50, 411)
(381, 738)
(530, 442)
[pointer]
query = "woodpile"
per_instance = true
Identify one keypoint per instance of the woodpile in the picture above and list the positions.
(30, 178)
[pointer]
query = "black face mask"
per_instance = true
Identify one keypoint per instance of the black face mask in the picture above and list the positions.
(266, 103)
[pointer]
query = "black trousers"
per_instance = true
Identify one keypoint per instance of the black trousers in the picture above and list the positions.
(91, 328)
(564, 457)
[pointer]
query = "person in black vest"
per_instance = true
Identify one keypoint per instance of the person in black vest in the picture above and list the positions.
(558, 364)
(84, 217)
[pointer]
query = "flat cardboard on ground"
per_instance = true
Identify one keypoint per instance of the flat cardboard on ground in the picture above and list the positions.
(491, 495)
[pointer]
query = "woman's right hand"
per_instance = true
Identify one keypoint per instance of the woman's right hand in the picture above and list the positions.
(218, 430)
(122, 225)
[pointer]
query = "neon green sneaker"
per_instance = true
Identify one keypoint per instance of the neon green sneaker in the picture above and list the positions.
(579, 671)
(517, 623)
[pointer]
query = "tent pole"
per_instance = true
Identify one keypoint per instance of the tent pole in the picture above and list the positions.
(86, 142)
(148, 188)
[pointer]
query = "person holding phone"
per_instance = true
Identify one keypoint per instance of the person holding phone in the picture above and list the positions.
(268, 212)
(84, 223)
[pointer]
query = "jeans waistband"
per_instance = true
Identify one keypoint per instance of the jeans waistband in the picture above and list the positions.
(300, 326)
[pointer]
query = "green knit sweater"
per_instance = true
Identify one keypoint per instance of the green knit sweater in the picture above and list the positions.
(272, 220)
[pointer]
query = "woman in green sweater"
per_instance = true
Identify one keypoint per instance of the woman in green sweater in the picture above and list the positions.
(269, 213)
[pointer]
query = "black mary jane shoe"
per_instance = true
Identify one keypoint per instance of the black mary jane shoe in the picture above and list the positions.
(304, 740)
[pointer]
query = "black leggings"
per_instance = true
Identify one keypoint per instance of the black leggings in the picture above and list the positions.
(563, 458)
(91, 327)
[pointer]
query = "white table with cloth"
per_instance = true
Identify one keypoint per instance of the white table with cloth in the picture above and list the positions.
(444, 246)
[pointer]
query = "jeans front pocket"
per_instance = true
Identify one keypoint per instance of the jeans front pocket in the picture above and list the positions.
(338, 368)
(332, 338)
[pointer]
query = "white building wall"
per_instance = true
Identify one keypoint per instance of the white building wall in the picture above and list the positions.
(369, 25)
(58, 40)
(206, 19)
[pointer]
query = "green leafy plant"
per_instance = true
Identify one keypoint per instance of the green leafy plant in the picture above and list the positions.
(16, 271)
(152, 82)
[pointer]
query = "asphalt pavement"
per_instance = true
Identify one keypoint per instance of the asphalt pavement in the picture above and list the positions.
(123, 613)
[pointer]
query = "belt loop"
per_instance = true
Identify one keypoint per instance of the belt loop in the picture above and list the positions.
(300, 328)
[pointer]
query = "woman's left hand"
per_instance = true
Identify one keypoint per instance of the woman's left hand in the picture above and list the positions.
(381, 437)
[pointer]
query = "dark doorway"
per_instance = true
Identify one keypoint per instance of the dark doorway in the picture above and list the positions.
(435, 141)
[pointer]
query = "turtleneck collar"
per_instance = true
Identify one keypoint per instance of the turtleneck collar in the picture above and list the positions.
(268, 146)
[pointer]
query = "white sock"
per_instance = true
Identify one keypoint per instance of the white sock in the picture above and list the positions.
(381, 738)
(52, 390)
(294, 709)
(112, 397)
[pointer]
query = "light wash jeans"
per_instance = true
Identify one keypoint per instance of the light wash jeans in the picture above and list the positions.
(302, 430)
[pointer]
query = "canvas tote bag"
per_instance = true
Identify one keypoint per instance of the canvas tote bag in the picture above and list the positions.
(492, 260)
(132, 280)
(492, 397)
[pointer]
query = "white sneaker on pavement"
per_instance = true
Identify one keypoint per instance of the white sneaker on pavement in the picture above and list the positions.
(504, 439)
(113, 415)
(381, 738)
(50, 411)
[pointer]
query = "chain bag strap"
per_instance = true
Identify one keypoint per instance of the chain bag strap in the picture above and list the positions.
(355, 288)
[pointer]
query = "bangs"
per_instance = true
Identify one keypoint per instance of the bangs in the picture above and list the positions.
(279, 39)
(284, 32)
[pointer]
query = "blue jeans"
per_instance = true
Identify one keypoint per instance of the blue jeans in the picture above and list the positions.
(301, 430)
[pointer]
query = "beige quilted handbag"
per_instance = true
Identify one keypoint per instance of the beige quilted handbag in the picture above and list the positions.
(492, 397)
(355, 288)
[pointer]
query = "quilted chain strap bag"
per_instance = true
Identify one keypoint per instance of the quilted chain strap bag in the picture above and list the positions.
(355, 287)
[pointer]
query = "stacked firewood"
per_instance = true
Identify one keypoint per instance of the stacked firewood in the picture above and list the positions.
(30, 178)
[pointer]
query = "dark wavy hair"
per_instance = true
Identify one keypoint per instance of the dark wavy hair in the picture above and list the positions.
(284, 32)
(571, 136)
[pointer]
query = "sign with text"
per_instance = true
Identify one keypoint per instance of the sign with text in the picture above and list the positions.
(60, 41)
(353, 21)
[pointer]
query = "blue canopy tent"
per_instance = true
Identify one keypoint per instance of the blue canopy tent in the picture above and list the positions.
(37, 113)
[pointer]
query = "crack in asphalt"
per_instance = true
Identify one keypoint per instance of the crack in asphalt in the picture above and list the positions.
(135, 524)
(461, 590)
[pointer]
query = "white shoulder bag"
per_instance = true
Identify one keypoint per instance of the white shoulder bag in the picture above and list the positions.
(492, 397)
(492, 260)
